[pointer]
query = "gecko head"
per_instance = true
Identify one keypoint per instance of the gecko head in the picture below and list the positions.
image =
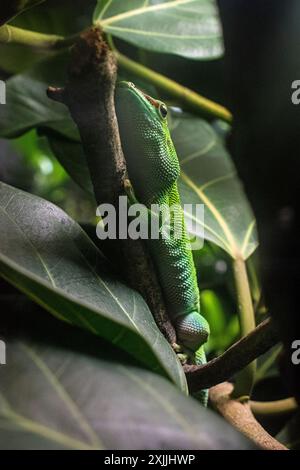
(138, 101)
(146, 140)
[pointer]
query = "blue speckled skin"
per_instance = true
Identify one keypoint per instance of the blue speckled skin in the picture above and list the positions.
(153, 169)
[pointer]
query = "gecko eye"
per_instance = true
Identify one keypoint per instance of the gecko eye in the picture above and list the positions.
(163, 110)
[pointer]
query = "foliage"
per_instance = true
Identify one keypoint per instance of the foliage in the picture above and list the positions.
(111, 357)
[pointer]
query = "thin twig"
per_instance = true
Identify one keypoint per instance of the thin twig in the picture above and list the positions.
(234, 359)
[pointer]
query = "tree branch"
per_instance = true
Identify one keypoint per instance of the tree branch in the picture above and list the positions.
(89, 95)
(244, 351)
(240, 416)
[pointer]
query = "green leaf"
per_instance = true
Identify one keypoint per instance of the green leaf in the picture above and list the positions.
(189, 28)
(267, 364)
(47, 255)
(208, 177)
(45, 18)
(15, 59)
(224, 328)
(212, 264)
(77, 394)
(290, 434)
(11, 8)
(71, 156)
(28, 105)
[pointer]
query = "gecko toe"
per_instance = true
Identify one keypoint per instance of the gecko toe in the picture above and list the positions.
(192, 330)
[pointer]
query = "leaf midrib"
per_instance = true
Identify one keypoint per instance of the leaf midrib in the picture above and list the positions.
(41, 430)
(160, 34)
(167, 406)
(65, 397)
(142, 10)
(234, 249)
(34, 249)
(98, 278)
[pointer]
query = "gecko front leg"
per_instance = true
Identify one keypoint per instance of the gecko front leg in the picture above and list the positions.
(128, 188)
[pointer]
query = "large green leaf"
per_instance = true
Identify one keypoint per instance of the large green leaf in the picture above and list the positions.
(189, 28)
(78, 394)
(208, 177)
(46, 255)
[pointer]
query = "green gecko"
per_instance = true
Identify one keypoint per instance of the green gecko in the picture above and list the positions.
(153, 169)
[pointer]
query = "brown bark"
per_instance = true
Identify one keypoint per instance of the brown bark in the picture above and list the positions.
(234, 359)
(89, 95)
(240, 416)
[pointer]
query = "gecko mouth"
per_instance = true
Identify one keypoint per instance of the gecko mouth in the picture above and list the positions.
(143, 97)
(151, 100)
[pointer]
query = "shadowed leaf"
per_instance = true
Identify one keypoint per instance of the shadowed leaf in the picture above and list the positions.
(47, 255)
(77, 398)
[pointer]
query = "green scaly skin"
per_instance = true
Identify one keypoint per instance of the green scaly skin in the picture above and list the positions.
(153, 169)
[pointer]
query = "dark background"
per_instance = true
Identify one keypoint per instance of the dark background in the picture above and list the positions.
(262, 59)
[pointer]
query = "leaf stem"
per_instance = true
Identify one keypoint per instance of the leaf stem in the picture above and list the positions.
(274, 408)
(189, 98)
(241, 417)
(184, 95)
(12, 35)
(245, 378)
(265, 366)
